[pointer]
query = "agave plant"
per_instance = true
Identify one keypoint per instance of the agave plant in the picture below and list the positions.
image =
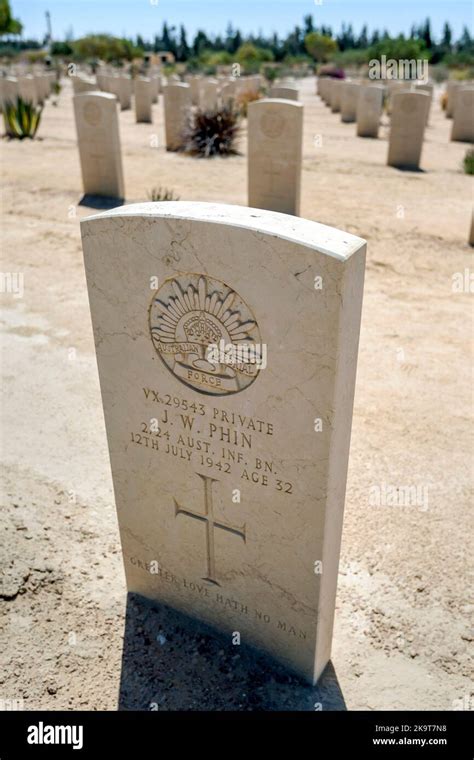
(212, 133)
(21, 119)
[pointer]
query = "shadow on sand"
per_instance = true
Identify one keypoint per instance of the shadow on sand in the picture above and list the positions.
(101, 202)
(172, 662)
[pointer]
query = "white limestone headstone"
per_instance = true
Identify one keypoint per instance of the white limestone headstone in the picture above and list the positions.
(287, 93)
(177, 100)
(208, 100)
(451, 88)
(143, 90)
(10, 90)
(369, 110)
(194, 83)
(98, 138)
(125, 88)
(275, 139)
(228, 93)
(81, 84)
(428, 88)
(407, 127)
(463, 115)
(27, 89)
(336, 92)
(349, 97)
(226, 342)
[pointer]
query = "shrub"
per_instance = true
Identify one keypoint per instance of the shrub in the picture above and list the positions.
(270, 73)
(212, 133)
(251, 57)
(21, 119)
(162, 194)
(468, 161)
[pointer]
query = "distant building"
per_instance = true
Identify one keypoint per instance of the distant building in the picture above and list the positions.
(159, 59)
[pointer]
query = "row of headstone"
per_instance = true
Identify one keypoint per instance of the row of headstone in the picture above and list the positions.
(355, 102)
(144, 89)
(275, 129)
(32, 88)
(212, 93)
(340, 95)
(363, 104)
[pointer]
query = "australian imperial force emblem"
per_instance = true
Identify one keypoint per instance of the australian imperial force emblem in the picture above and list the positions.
(205, 334)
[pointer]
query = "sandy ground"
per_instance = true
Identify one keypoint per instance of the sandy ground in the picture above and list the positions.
(68, 638)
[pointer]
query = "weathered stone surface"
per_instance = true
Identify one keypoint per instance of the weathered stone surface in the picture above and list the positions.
(229, 474)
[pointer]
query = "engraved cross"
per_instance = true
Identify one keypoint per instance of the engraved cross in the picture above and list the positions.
(211, 522)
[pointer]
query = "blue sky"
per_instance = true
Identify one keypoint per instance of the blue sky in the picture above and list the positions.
(129, 17)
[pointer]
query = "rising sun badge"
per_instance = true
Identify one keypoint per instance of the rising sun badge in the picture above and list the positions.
(205, 334)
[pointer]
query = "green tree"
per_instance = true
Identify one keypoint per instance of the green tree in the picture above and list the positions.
(105, 47)
(426, 34)
(447, 36)
(61, 48)
(8, 24)
(201, 42)
(251, 57)
(168, 39)
(320, 47)
(465, 41)
(399, 49)
(363, 41)
(183, 47)
(308, 25)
